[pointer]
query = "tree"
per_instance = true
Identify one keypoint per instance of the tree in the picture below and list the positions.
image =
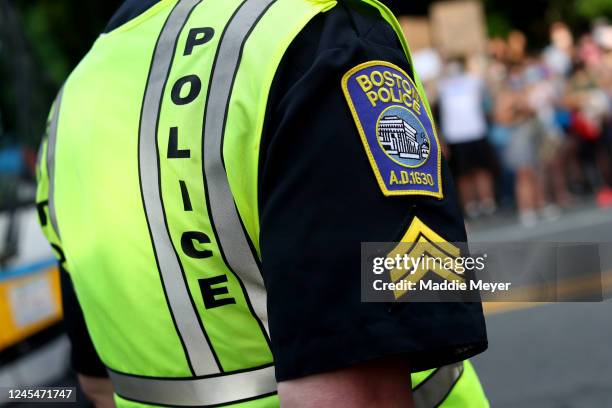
(592, 9)
(18, 68)
(40, 43)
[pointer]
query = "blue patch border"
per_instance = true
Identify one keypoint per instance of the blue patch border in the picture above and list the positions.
(438, 194)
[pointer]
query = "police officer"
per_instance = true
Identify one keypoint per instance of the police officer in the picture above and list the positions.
(209, 172)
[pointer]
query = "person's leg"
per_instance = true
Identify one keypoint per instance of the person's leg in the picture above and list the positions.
(573, 166)
(558, 179)
(465, 184)
(484, 188)
(543, 202)
(525, 196)
(523, 190)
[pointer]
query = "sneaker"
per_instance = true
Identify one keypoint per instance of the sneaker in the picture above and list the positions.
(472, 210)
(528, 218)
(550, 212)
(488, 207)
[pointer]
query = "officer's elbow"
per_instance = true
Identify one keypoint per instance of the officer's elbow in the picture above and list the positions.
(97, 390)
(382, 384)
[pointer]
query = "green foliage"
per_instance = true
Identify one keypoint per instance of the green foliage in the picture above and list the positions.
(592, 9)
(40, 24)
(498, 25)
(48, 37)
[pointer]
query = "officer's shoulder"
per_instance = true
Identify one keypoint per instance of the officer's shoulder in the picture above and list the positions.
(368, 22)
(349, 21)
(127, 11)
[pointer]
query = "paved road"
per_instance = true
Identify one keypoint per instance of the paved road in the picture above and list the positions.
(554, 355)
(549, 356)
(557, 355)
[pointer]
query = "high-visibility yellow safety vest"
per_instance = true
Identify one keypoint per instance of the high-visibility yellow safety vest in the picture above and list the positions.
(150, 171)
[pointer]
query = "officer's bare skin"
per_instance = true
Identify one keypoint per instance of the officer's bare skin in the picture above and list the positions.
(381, 384)
(98, 390)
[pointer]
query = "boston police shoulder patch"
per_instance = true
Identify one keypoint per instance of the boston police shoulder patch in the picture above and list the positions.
(396, 129)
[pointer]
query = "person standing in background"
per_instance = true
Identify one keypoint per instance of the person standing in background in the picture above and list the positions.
(464, 127)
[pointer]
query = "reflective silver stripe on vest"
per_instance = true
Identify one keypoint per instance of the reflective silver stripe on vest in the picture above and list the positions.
(223, 210)
(435, 388)
(213, 390)
(198, 350)
(51, 143)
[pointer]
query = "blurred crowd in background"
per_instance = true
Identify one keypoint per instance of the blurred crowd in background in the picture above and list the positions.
(527, 129)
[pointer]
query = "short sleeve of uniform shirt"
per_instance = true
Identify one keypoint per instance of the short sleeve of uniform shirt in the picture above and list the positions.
(319, 199)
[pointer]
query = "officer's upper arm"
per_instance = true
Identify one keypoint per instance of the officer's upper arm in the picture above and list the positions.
(321, 196)
(381, 383)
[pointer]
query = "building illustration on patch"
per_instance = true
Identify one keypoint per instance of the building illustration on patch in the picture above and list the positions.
(399, 138)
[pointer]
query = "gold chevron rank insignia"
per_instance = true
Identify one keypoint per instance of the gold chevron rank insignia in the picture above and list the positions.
(435, 253)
